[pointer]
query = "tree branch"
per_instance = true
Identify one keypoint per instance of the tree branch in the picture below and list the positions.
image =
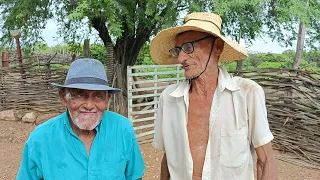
(99, 24)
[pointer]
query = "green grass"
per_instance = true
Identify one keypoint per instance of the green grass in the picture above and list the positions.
(59, 66)
(160, 70)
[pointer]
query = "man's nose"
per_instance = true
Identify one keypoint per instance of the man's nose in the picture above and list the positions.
(182, 57)
(89, 104)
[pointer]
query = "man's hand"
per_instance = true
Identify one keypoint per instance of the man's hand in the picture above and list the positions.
(165, 175)
(266, 163)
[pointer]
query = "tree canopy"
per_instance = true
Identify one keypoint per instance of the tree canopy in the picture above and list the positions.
(125, 25)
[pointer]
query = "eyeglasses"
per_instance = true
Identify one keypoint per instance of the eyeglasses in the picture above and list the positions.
(187, 47)
(80, 95)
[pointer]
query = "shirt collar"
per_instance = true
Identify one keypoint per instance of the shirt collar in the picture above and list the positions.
(225, 81)
(182, 89)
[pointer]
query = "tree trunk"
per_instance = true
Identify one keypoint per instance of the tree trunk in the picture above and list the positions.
(86, 48)
(126, 51)
(120, 100)
(239, 62)
(298, 56)
(300, 44)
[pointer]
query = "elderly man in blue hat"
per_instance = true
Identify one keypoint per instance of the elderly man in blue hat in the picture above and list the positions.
(86, 141)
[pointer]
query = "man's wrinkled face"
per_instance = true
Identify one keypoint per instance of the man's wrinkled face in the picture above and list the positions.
(193, 63)
(85, 107)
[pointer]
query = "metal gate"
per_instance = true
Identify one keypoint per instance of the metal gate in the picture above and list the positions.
(145, 84)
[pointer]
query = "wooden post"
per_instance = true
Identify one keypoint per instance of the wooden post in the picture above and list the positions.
(110, 63)
(130, 83)
(16, 34)
(5, 59)
(86, 48)
(73, 57)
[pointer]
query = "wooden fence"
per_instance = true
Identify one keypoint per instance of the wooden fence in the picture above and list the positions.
(34, 92)
(145, 84)
(292, 99)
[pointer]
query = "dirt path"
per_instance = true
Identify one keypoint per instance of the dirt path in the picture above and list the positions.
(14, 134)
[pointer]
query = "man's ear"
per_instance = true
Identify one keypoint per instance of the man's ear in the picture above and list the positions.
(218, 46)
(108, 96)
(62, 95)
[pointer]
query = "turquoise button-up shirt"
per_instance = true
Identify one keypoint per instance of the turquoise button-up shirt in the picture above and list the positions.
(54, 152)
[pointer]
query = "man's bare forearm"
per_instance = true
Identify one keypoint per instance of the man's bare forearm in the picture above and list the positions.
(266, 163)
(165, 175)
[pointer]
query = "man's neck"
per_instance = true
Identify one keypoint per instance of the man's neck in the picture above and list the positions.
(205, 84)
(86, 136)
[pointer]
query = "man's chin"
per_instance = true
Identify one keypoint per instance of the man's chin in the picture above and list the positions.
(189, 75)
(87, 124)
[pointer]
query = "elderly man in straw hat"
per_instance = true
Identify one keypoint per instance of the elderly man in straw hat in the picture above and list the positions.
(86, 141)
(210, 125)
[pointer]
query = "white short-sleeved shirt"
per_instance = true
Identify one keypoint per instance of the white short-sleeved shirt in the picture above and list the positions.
(238, 124)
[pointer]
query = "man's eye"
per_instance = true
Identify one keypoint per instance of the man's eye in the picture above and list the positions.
(81, 94)
(78, 94)
(98, 96)
(187, 47)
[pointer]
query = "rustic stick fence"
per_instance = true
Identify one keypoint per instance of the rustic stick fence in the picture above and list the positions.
(34, 93)
(292, 99)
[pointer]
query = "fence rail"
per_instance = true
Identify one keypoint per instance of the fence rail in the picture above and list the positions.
(144, 89)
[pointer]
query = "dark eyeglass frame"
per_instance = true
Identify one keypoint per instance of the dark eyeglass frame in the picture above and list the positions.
(171, 51)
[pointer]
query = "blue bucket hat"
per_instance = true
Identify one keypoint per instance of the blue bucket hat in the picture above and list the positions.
(87, 74)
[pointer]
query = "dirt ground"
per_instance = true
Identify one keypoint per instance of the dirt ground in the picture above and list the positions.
(14, 134)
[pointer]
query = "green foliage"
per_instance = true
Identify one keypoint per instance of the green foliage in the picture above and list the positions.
(229, 65)
(164, 76)
(284, 16)
(98, 51)
(311, 60)
(59, 66)
(76, 48)
(128, 24)
(144, 57)
(270, 65)
(241, 18)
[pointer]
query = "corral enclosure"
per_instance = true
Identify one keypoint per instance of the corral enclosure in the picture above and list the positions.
(292, 97)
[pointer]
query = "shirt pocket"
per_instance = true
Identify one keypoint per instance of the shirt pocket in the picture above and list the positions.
(234, 147)
(113, 170)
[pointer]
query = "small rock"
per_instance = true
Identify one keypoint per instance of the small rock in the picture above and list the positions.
(7, 115)
(29, 117)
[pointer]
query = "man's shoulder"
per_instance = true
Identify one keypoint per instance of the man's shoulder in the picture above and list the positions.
(49, 127)
(246, 85)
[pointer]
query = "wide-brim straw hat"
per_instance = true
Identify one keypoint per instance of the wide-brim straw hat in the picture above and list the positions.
(88, 74)
(198, 21)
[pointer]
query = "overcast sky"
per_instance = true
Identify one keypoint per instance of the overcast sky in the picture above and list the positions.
(260, 45)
